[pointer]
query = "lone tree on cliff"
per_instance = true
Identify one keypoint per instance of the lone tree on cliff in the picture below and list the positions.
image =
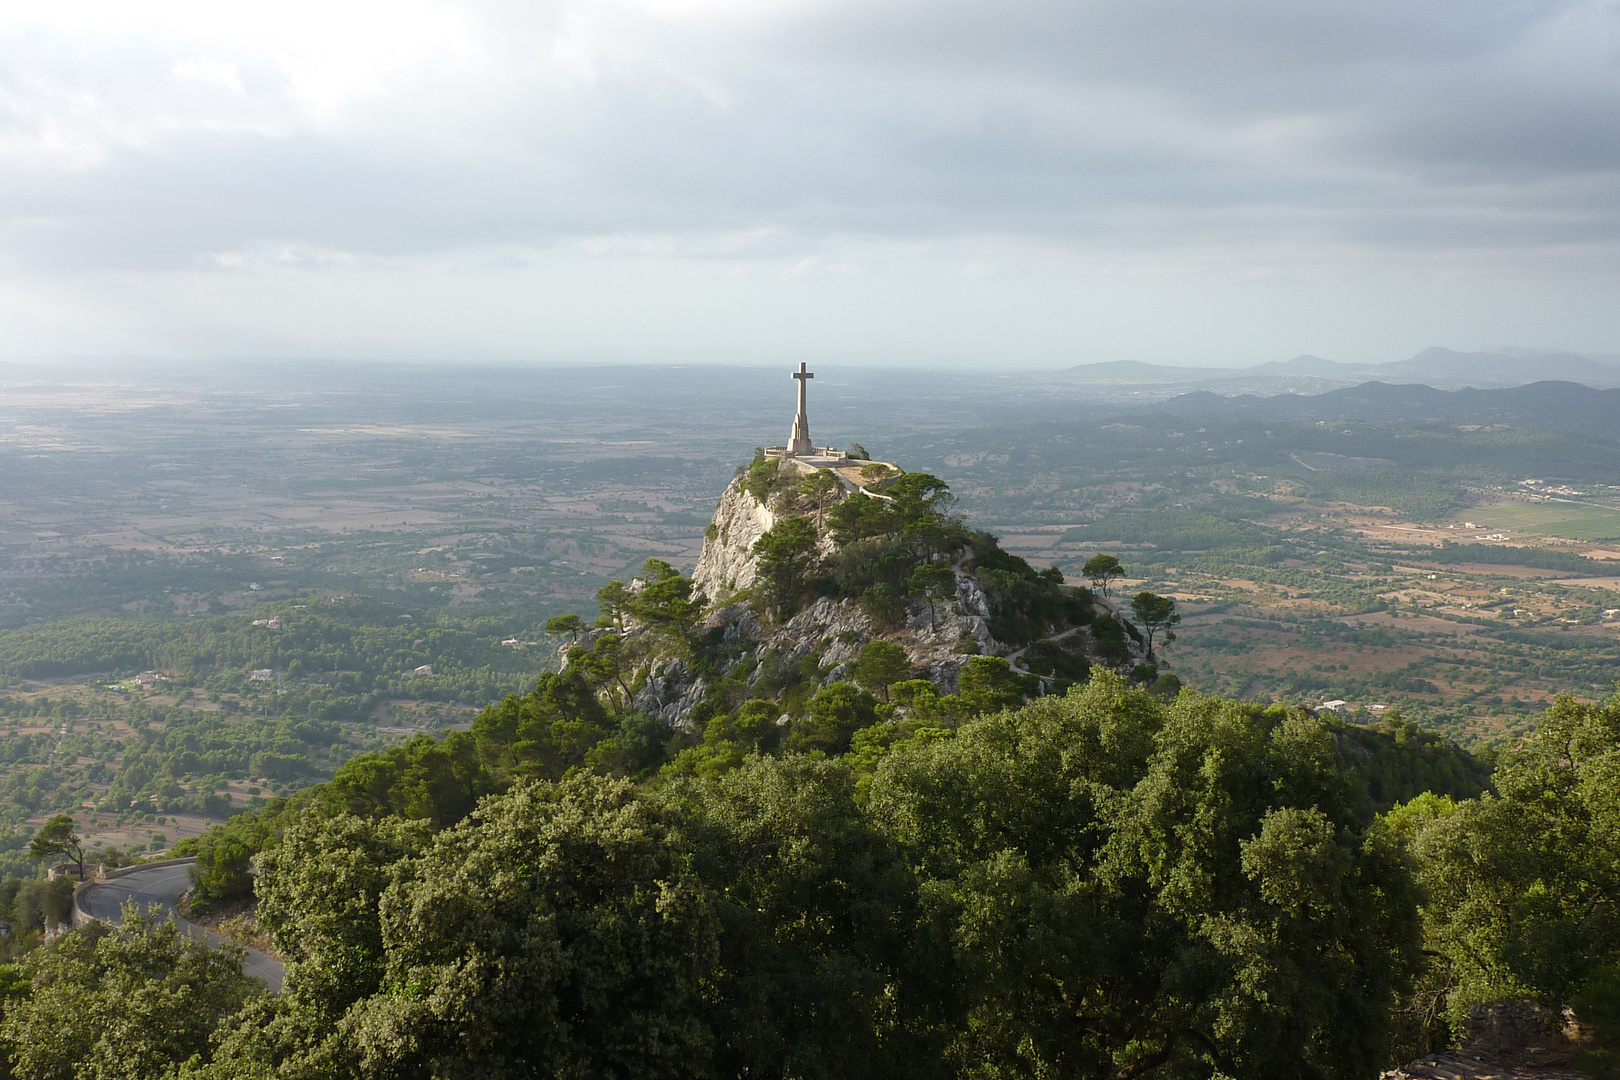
(881, 665)
(665, 602)
(1155, 613)
(55, 838)
(786, 556)
(614, 601)
(1102, 569)
(933, 583)
(569, 624)
(820, 488)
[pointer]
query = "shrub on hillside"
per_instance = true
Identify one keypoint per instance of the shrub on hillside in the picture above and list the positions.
(837, 711)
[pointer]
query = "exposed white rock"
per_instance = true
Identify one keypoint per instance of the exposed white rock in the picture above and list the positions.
(727, 562)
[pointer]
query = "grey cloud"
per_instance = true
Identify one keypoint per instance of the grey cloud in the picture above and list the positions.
(1446, 123)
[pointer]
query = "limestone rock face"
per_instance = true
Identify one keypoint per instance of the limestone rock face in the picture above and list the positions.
(840, 628)
(670, 694)
(832, 631)
(727, 562)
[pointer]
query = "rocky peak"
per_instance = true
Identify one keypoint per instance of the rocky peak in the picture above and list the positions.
(940, 627)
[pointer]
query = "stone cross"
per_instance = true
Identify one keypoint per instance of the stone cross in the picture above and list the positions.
(800, 443)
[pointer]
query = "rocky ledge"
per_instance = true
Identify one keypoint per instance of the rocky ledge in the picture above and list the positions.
(1513, 1040)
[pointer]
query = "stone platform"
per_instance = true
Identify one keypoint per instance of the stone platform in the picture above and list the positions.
(820, 457)
(819, 461)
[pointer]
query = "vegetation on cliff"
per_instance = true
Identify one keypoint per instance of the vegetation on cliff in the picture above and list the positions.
(890, 546)
(894, 560)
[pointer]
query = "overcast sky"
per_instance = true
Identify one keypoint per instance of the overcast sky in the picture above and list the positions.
(1016, 183)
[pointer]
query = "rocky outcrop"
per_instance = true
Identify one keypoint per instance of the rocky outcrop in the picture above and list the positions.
(1510, 1040)
(835, 631)
(670, 694)
(727, 562)
(840, 629)
(938, 642)
(1534, 1063)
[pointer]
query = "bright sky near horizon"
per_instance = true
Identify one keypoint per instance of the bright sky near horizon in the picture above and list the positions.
(1012, 183)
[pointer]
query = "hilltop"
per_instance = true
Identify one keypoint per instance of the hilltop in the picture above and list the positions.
(825, 575)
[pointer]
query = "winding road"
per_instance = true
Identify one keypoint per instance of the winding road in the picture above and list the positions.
(158, 889)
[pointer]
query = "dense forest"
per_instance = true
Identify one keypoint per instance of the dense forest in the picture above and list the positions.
(1098, 884)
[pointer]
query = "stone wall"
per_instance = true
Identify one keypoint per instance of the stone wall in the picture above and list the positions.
(81, 916)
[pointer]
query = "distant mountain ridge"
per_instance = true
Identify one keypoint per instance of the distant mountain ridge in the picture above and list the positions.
(1567, 406)
(1305, 364)
(1441, 368)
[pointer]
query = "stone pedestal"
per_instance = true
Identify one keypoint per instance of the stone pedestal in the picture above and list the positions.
(800, 445)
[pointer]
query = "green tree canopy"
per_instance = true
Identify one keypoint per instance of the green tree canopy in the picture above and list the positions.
(58, 837)
(1117, 886)
(1098, 884)
(613, 599)
(934, 583)
(819, 490)
(989, 684)
(665, 602)
(1524, 883)
(128, 1003)
(837, 711)
(1155, 613)
(41, 904)
(601, 667)
(819, 973)
(787, 555)
(558, 932)
(1101, 569)
(880, 665)
(569, 624)
(319, 891)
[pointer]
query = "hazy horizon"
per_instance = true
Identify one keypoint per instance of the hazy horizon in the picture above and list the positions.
(566, 363)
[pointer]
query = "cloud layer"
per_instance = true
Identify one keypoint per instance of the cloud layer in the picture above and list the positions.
(1019, 182)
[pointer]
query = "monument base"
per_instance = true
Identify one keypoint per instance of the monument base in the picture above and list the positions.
(815, 455)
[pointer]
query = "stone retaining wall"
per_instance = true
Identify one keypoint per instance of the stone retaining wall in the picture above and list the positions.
(81, 917)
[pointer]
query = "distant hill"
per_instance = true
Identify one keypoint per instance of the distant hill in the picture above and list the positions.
(1483, 369)
(1306, 364)
(1567, 406)
(1441, 368)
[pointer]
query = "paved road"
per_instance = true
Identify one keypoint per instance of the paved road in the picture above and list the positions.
(158, 889)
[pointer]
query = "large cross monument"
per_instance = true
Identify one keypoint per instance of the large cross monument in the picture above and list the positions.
(799, 447)
(800, 444)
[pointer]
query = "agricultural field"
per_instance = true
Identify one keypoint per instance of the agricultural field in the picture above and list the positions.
(1581, 517)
